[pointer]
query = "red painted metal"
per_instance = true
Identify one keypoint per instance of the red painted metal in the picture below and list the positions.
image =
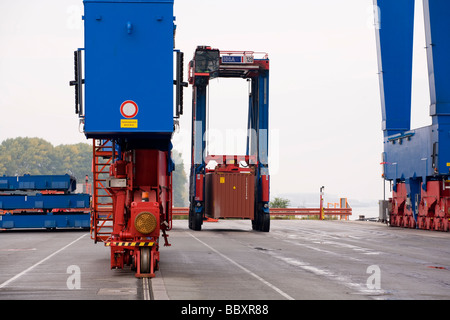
(230, 195)
(231, 163)
(140, 184)
(399, 199)
(433, 211)
(180, 212)
(199, 187)
(262, 60)
(247, 69)
(343, 213)
(265, 181)
(230, 187)
(102, 204)
(434, 207)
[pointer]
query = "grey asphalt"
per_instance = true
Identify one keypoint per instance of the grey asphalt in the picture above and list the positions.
(297, 260)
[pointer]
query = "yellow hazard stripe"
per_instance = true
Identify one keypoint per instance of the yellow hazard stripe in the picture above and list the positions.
(129, 244)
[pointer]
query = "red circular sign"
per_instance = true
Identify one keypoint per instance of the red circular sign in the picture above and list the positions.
(129, 109)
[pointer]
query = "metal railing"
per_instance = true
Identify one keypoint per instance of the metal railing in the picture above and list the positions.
(342, 213)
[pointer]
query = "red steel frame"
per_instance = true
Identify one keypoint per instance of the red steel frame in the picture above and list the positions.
(144, 187)
(102, 205)
(433, 209)
(115, 207)
(402, 214)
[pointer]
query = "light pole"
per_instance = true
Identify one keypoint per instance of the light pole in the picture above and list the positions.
(321, 204)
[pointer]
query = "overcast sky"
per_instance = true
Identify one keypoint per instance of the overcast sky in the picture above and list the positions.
(325, 116)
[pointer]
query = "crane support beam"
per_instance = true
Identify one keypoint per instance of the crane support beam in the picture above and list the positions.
(416, 161)
(437, 30)
(394, 35)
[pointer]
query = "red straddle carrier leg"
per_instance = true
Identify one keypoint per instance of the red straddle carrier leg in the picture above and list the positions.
(434, 208)
(141, 188)
(402, 214)
(398, 205)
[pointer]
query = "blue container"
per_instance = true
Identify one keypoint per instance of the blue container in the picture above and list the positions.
(129, 68)
(64, 183)
(44, 202)
(48, 221)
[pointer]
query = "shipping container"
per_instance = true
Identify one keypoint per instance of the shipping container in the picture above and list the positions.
(230, 195)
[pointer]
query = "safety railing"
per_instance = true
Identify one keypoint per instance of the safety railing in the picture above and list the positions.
(343, 214)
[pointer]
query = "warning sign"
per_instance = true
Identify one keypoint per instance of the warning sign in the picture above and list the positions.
(128, 124)
(129, 109)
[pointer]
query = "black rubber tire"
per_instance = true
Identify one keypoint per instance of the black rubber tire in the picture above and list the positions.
(145, 260)
(261, 222)
(265, 223)
(195, 221)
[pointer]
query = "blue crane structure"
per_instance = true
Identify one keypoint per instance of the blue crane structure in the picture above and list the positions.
(45, 201)
(416, 161)
(124, 96)
(243, 182)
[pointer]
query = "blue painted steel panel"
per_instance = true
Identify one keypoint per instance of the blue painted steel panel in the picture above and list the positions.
(130, 1)
(420, 155)
(437, 31)
(395, 56)
(410, 156)
(129, 57)
(44, 202)
(42, 182)
(9, 221)
(199, 127)
(263, 123)
(232, 59)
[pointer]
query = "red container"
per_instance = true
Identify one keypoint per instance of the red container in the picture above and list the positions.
(230, 195)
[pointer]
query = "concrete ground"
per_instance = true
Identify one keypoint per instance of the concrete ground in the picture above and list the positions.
(297, 260)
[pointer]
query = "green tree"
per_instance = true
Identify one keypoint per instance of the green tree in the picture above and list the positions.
(75, 160)
(280, 203)
(36, 156)
(21, 156)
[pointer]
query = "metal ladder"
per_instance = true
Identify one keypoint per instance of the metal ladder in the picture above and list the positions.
(102, 203)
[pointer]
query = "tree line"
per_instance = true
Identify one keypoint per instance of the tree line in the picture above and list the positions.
(36, 156)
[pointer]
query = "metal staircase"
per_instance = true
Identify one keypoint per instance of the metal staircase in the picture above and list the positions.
(102, 203)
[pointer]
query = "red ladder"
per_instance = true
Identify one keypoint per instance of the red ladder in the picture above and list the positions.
(102, 204)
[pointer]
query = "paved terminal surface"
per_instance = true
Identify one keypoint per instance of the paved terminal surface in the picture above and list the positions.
(298, 259)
